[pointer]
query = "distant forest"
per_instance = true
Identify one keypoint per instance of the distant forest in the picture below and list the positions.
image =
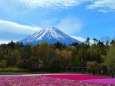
(99, 56)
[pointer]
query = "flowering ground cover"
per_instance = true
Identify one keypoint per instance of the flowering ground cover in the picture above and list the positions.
(103, 81)
(56, 80)
(76, 76)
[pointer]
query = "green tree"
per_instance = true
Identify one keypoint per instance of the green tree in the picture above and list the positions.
(43, 52)
(110, 58)
(12, 56)
(2, 64)
(25, 56)
(66, 57)
(87, 41)
(1, 54)
(76, 59)
(35, 53)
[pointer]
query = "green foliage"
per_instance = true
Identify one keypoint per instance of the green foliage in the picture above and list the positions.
(14, 69)
(56, 56)
(110, 58)
(1, 54)
(43, 52)
(3, 64)
(76, 59)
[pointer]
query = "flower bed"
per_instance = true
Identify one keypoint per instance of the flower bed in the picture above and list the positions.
(55, 80)
(102, 81)
(76, 76)
(35, 81)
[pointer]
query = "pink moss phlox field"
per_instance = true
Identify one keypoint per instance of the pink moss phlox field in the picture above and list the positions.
(103, 81)
(56, 80)
(35, 81)
(76, 76)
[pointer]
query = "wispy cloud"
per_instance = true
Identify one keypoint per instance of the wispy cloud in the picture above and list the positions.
(82, 39)
(102, 5)
(25, 6)
(51, 3)
(8, 26)
(70, 25)
(79, 38)
(13, 7)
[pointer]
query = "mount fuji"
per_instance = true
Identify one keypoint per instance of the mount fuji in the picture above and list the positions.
(50, 35)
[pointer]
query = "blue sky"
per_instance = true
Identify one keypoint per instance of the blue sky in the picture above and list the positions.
(79, 18)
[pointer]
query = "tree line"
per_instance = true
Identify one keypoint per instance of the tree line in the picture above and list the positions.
(59, 57)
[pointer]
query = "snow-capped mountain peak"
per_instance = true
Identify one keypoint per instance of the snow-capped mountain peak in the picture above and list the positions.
(50, 32)
(50, 35)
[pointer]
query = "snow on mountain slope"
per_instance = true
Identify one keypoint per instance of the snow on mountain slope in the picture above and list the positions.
(50, 35)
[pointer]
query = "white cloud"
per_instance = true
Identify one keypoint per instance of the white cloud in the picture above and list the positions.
(25, 6)
(70, 25)
(51, 3)
(13, 8)
(2, 42)
(103, 5)
(12, 27)
(104, 11)
(79, 38)
(82, 39)
(5, 41)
